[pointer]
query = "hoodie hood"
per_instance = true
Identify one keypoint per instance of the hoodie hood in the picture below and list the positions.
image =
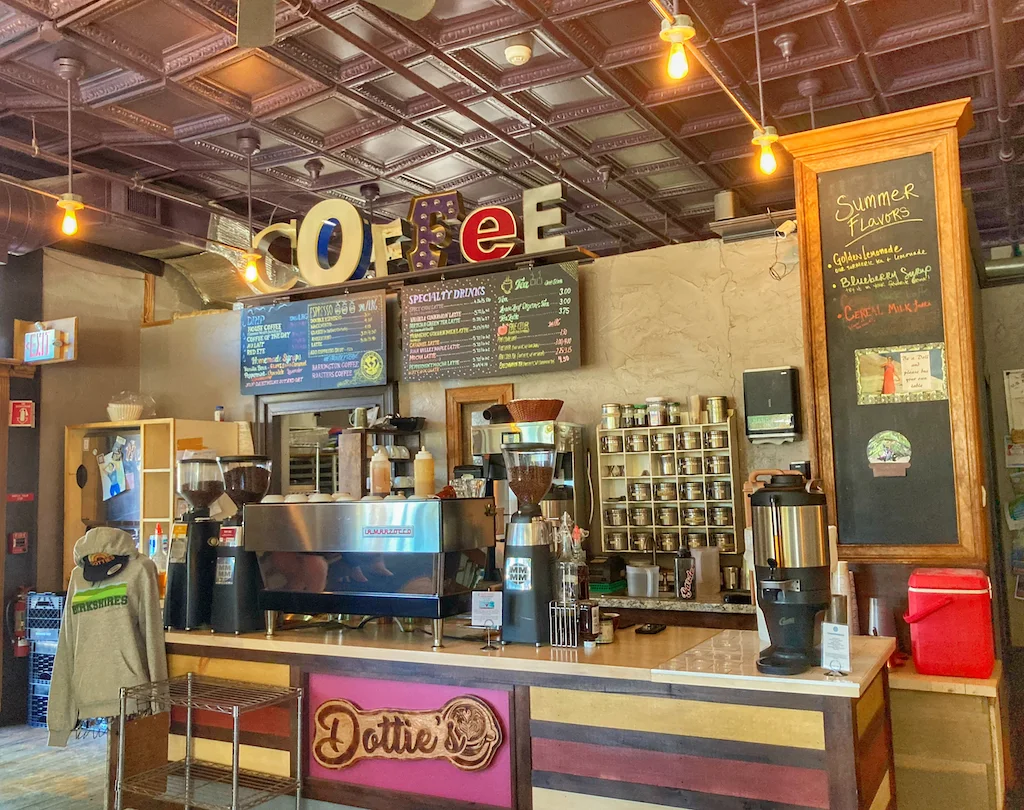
(105, 540)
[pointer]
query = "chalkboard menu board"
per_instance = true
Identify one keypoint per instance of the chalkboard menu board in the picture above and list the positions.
(520, 322)
(892, 450)
(314, 345)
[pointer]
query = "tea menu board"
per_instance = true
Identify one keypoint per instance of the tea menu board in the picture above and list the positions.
(519, 322)
(892, 450)
(316, 345)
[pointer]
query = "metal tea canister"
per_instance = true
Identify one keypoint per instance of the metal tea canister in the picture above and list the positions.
(694, 516)
(718, 465)
(690, 465)
(611, 416)
(689, 440)
(664, 441)
(667, 464)
(716, 439)
(718, 409)
(637, 443)
(668, 516)
(693, 491)
(615, 516)
(719, 491)
(640, 491)
(666, 491)
(721, 516)
(611, 444)
(641, 516)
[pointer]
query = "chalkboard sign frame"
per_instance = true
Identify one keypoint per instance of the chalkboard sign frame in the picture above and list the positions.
(933, 131)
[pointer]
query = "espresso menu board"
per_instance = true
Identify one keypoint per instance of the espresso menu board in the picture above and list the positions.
(314, 345)
(892, 450)
(519, 322)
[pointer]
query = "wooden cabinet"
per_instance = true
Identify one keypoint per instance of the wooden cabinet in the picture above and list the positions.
(153, 475)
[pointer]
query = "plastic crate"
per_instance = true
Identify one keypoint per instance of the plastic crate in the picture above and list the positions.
(38, 700)
(44, 613)
(40, 662)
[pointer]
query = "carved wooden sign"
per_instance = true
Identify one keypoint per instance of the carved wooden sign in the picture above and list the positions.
(465, 731)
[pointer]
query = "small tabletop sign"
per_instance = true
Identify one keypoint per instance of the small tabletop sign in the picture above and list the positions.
(22, 413)
(835, 647)
(486, 609)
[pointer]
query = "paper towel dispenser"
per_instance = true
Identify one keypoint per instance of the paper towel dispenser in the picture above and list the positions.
(771, 403)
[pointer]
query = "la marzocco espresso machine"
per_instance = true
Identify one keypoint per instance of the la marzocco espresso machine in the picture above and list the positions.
(791, 567)
(193, 550)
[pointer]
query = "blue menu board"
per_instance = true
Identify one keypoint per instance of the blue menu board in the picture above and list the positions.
(316, 345)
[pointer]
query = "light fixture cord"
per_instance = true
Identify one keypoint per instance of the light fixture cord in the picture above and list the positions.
(70, 189)
(757, 56)
(810, 99)
(248, 179)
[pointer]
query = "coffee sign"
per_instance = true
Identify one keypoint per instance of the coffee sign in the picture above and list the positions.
(488, 232)
(465, 731)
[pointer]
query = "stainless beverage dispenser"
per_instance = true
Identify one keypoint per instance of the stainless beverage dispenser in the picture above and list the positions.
(791, 566)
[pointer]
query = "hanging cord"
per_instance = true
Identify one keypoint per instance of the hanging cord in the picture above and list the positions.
(248, 181)
(69, 138)
(757, 56)
(810, 100)
(778, 270)
(35, 142)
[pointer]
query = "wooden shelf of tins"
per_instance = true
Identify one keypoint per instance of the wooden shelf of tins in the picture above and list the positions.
(153, 472)
(645, 467)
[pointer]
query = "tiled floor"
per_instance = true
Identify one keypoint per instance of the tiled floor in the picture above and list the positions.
(34, 777)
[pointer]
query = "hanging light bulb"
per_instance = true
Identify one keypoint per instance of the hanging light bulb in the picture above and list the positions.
(252, 269)
(765, 138)
(678, 33)
(69, 203)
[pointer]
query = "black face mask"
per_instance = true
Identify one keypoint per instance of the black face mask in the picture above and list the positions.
(96, 571)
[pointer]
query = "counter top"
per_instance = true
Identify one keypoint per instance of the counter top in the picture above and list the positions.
(713, 604)
(729, 659)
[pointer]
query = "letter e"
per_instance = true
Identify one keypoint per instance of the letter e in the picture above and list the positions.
(543, 212)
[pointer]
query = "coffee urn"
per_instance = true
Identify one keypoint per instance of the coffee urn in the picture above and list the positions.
(791, 567)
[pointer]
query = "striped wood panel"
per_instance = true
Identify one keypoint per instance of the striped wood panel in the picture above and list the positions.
(233, 669)
(265, 760)
(545, 799)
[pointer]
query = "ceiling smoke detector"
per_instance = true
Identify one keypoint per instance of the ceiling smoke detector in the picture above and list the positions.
(519, 50)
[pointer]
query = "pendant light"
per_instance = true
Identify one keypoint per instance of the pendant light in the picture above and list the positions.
(248, 144)
(70, 70)
(677, 32)
(764, 136)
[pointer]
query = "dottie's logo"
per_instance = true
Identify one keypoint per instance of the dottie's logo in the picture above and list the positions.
(465, 731)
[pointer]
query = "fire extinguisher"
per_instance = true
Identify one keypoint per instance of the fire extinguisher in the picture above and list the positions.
(17, 610)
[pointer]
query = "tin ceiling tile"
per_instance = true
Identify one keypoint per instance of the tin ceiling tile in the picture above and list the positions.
(573, 91)
(453, 9)
(167, 107)
(252, 76)
(641, 155)
(389, 147)
(154, 25)
(607, 126)
(437, 172)
(336, 47)
(329, 115)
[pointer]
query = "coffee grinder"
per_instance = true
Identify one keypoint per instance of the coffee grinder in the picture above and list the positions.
(192, 554)
(528, 588)
(791, 567)
(237, 582)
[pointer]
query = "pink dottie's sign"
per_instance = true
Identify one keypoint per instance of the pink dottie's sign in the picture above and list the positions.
(418, 738)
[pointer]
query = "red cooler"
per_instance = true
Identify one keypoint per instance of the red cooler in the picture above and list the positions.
(950, 617)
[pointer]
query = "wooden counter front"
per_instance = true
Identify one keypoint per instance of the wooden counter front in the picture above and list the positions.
(626, 726)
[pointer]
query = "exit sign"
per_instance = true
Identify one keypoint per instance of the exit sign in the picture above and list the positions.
(41, 345)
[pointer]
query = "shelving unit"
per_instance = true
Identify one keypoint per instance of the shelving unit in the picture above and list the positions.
(645, 467)
(355, 450)
(193, 783)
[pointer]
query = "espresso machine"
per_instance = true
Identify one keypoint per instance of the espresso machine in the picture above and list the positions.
(791, 568)
(192, 554)
(237, 581)
(528, 588)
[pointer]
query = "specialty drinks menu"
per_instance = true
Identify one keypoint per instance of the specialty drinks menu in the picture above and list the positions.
(520, 322)
(315, 345)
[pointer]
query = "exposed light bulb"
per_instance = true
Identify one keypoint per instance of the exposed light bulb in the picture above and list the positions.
(69, 225)
(768, 162)
(251, 272)
(678, 66)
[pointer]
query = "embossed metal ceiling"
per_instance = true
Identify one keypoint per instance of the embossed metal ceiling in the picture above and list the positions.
(166, 90)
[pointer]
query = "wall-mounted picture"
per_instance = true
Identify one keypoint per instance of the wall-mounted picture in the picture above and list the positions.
(901, 374)
(889, 454)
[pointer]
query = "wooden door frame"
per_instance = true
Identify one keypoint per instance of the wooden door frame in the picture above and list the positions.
(455, 399)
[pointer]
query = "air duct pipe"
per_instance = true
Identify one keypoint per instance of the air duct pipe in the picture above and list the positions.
(27, 221)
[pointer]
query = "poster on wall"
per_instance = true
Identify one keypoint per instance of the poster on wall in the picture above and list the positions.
(1013, 382)
(901, 374)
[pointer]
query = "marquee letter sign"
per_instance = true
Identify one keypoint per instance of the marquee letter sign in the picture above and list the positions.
(465, 731)
(431, 217)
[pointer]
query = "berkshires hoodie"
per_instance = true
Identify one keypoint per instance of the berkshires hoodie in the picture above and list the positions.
(112, 634)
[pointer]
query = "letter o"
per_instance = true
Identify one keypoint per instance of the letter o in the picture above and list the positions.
(354, 243)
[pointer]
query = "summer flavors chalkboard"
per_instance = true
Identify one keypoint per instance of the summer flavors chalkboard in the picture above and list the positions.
(891, 439)
(519, 322)
(315, 345)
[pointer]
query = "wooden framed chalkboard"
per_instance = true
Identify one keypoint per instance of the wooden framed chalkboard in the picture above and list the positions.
(889, 332)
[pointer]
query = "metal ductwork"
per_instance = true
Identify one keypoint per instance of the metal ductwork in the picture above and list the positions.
(28, 221)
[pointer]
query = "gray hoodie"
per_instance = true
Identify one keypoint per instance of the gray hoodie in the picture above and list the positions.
(112, 636)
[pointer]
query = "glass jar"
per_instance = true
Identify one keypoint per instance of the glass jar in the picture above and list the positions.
(640, 491)
(627, 416)
(637, 443)
(657, 412)
(675, 413)
(611, 443)
(641, 516)
(693, 516)
(666, 491)
(720, 491)
(668, 516)
(664, 441)
(611, 416)
(640, 416)
(689, 440)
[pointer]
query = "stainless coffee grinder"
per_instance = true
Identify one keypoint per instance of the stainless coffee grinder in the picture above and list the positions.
(528, 588)
(791, 567)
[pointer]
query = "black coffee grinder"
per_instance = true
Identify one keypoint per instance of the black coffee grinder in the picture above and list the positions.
(791, 567)
(237, 582)
(192, 552)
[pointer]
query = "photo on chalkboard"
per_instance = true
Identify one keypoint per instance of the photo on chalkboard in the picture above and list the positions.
(893, 374)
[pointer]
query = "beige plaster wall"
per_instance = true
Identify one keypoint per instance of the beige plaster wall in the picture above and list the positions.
(671, 321)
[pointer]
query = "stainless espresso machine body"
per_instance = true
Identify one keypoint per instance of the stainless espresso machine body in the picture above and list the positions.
(417, 559)
(570, 490)
(791, 566)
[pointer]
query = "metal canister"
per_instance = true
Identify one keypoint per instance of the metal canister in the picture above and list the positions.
(718, 465)
(675, 413)
(731, 577)
(693, 491)
(718, 409)
(721, 516)
(611, 415)
(616, 541)
(643, 541)
(720, 491)
(693, 516)
(716, 439)
(668, 516)
(690, 465)
(664, 441)
(689, 440)
(694, 539)
(637, 443)
(641, 516)
(726, 542)
(666, 491)
(611, 443)
(639, 491)
(615, 516)
(668, 541)
(667, 464)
